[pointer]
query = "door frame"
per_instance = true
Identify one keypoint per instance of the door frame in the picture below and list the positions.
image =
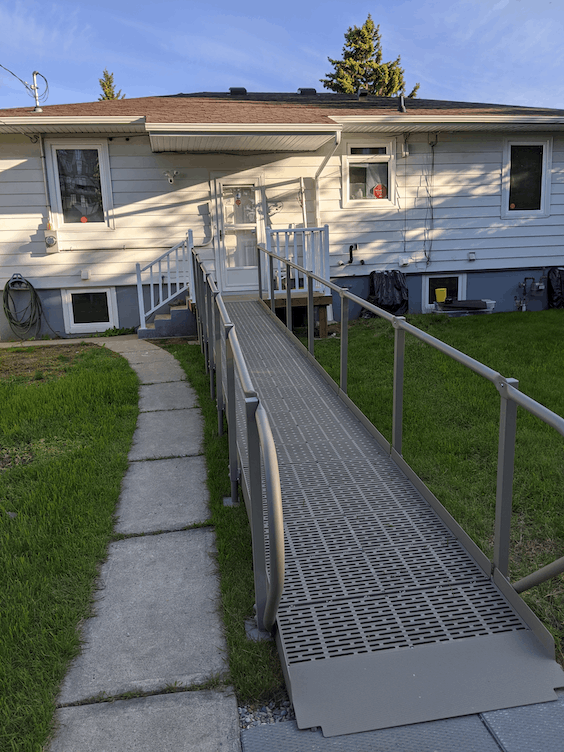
(217, 180)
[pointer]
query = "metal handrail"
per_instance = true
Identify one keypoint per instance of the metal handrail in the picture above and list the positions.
(275, 519)
(510, 398)
(220, 342)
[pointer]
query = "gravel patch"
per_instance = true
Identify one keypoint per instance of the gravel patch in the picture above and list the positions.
(262, 715)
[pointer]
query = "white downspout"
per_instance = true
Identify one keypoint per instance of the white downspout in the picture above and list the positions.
(45, 184)
(303, 201)
(318, 173)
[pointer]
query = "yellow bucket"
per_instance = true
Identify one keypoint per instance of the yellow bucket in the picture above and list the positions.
(440, 294)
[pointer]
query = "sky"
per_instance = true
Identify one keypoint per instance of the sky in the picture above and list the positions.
(504, 51)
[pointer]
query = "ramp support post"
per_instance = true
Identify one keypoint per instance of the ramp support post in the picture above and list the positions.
(505, 466)
(344, 342)
(256, 507)
(231, 415)
(397, 409)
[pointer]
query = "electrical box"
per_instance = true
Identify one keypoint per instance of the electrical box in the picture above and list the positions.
(51, 241)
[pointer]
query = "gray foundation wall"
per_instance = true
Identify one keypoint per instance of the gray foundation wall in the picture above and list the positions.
(51, 319)
(501, 286)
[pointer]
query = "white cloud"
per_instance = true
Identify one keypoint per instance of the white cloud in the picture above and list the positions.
(43, 31)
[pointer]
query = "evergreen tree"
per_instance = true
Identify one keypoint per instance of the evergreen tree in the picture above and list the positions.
(108, 88)
(362, 66)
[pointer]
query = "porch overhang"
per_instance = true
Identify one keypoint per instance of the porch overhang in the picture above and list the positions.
(407, 123)
(39, 124)
(201, 138)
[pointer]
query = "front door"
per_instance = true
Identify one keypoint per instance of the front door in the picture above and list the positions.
(239, 219)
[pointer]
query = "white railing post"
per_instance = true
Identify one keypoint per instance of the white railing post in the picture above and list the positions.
(190, 239)
(325, 262)
(152, 289)
(140, 297)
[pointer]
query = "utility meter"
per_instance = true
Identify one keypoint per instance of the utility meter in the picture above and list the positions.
(51, 241)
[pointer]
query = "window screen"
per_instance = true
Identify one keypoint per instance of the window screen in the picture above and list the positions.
(239, 204)
(525, 179)
(368, 180)
(90, 307)
(79, 181)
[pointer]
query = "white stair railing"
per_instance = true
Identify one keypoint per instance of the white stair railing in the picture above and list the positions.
(166, 277)
(307, 247)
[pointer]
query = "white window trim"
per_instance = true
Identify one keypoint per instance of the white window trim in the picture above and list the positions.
(544, 211)
(55, 192)
(348, 159)
(429, 308)
(101, 326)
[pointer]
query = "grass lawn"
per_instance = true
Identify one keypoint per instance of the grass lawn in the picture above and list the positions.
(67, 415)
(254, 667)
(451, 423)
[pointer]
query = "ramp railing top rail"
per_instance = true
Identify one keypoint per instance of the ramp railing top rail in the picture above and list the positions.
(508, 388)
(167, 276)
(255, 454)
(307, 247)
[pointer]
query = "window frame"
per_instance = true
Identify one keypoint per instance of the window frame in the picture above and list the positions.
(71, 327)
(349, 159)
(462, 287)
(546, 180)
(52, 146)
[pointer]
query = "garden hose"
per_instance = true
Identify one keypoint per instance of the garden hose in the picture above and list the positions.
(25, 321)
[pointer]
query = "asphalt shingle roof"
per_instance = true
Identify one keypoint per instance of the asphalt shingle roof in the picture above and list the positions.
(286, 109)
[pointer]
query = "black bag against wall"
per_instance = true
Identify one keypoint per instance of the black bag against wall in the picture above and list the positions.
(555, 287)
(388, 290)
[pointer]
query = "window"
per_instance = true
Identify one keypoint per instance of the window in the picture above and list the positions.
(89, 310)
(79, 184)
(368, 176)
(526, 178)
(454, 284)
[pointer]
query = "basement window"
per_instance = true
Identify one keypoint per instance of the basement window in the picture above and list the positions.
(368, 178)
(89, 310)
(79, 185)
(454, 284)
(526, 178)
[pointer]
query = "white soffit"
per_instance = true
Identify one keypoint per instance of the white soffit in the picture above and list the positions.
(239, 140)
(448, 124)
(35, 124)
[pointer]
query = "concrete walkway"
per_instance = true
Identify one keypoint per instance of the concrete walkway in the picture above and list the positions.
(156, 622)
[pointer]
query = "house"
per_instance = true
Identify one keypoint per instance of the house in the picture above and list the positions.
(467, 197)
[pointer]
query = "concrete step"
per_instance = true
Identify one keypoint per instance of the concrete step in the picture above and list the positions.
(178, 322)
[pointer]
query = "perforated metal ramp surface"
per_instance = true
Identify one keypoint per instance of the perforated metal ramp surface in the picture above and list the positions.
(385, 620)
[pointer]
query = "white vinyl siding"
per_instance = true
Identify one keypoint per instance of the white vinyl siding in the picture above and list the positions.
(447, 207)
(150, 215)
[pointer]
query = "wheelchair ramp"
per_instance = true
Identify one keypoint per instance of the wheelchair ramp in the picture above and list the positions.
(386, 619)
